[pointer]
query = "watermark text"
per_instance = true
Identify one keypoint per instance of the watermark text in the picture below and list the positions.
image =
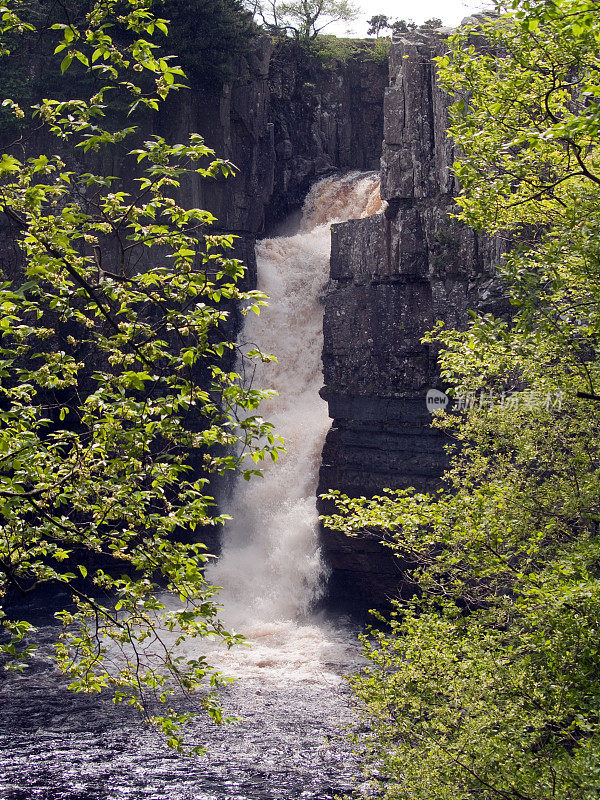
(468, 401)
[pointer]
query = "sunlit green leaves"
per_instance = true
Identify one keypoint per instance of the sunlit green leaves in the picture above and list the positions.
(120, 393)
(522, 121)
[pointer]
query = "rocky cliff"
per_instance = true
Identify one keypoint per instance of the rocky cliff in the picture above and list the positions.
(392, 277)
(286, 120)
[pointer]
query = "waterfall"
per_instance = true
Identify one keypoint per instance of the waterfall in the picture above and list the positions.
(270, 567)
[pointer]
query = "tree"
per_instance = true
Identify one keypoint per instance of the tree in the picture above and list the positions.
(485, 685)
(208, 36)
(432, 23)
(402, 26)
(378, 23)
(117, 379)
(304, 18)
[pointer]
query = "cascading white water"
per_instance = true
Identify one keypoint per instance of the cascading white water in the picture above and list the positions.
(270, 569)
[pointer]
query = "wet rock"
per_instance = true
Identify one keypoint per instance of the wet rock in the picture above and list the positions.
(393, 276)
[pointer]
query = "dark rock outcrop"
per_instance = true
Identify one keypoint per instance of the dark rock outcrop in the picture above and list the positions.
(392, 277)
(324, 118)
(286, 120)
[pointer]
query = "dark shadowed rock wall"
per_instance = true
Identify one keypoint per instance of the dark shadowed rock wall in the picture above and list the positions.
(323, 118)
(285, 121)
(392, 277)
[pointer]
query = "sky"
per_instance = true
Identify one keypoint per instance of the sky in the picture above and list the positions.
(451, 12)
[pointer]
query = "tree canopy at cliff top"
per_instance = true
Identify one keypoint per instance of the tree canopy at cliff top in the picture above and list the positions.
(487, 684)
(209, 37)
(117, 397)
(304, 19)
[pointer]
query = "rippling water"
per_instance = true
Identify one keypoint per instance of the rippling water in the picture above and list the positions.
(289, 744)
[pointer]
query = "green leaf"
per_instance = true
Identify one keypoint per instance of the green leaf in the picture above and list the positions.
(66, 62)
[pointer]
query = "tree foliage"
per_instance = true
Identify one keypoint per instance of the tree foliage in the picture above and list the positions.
(117, 385)
(208, 37)
(403, 26)
(380, 22)
(432, 22)
(377, 24)
(304, 19)
(486, 684)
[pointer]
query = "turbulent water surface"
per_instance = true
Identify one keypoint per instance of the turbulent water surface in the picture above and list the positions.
(56, 746)
(291, 698)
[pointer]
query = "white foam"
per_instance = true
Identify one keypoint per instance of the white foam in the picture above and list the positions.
(270, 569)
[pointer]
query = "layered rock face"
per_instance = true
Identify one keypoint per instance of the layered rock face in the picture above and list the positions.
(285, 121)
(392, 276)
(324, 118)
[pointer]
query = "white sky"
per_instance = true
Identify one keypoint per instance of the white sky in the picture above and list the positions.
(451, 12)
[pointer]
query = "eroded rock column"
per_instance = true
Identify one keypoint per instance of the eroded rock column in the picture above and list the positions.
(392, 277)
